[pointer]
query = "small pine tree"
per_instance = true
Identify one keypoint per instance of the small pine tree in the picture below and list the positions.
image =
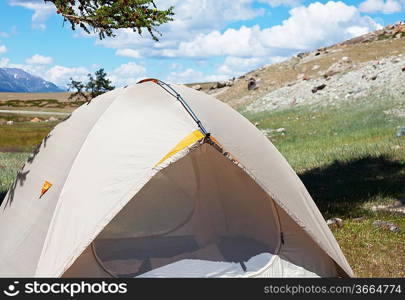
(79, 89)
(99, 84)
(105, 16)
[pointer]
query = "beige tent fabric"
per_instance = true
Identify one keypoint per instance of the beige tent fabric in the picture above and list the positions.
(86, 266)
(224, 201)
(266, 165)
(106, 153)
(114, 163)
(24, 217)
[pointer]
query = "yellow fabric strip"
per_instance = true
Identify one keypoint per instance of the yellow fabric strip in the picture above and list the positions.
(187, 141)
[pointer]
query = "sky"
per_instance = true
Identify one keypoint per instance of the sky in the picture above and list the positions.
(209, 40)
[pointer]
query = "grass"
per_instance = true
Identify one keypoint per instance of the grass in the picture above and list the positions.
(373, 252)
(347, 156)
(349, 159)
(24, 136)
(39, 103)
(10, 164)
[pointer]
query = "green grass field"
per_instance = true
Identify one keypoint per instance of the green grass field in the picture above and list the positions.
(348, 157)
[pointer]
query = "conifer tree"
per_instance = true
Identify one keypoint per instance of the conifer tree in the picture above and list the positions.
(105, 16)
(97, 85)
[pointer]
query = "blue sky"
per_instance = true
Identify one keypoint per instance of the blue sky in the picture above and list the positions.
(209, 39)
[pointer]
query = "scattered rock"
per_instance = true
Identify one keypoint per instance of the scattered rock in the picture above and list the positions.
(318, 88)
(397, 207)
(197, 87)
(230, 82)
(279, 130)
(336, 222)
(9, 122)
(348, 83)
(220, 84)
(35, 120)
(403, 68)
(386, 225)
(346, 59)
(401, 132)
(257, 124)
(374, 77)
(315, 67)
(337, 68)
(252, 85)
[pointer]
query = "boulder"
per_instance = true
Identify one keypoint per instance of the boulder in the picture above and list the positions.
(35, 120)
(220, 84)
(318, 88)
(336, 222)
(401, 132)
(386, 225)
(9, 122)
(229, 83)
(197, 87)
(252, 84)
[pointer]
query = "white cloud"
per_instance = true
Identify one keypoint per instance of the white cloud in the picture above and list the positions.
(4, 61)
(275, 3)
(236, 66)
(129, 69)
(191, 75)
(306, 28)
(384, 6)
(128, 53)
(60, 75)
(39, 60)
(126, 74)
(3, 49)
(192, 18)
(41, 10)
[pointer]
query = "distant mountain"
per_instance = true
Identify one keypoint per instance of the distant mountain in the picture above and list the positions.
(17, 80)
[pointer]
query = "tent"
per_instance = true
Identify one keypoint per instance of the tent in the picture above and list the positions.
(157, 180)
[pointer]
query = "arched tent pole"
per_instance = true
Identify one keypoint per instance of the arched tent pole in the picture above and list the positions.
(168, 88)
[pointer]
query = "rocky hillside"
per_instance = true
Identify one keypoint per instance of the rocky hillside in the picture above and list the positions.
(368, 64)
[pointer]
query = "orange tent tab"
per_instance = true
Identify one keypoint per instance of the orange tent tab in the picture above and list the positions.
(45, 187)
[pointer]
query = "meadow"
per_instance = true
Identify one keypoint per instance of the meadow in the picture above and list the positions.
(348, 156)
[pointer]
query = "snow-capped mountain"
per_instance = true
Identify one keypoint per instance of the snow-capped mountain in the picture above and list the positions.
(17, 80)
